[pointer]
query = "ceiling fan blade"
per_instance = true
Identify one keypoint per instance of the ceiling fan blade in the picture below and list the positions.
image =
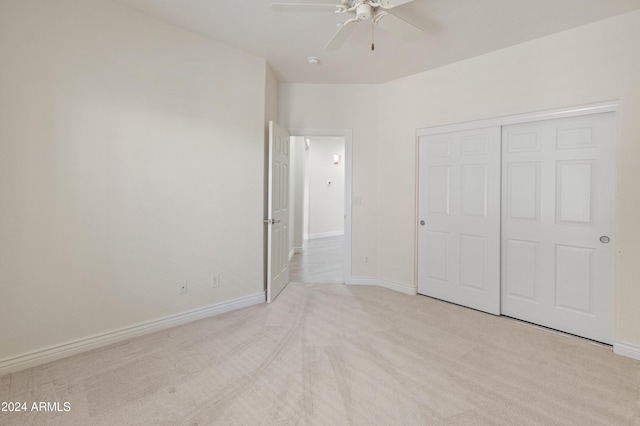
(389, 4)
(398, 26)
(341, 35)
(305, 7)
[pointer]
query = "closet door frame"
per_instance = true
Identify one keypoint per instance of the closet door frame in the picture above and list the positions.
(575, 111)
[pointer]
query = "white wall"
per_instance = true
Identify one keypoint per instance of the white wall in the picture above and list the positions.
(271, 114)
(590, 64)
(594, 63)
(298, 175)
(326, 201)
(310, 106)
(132, 157)
(271, 97)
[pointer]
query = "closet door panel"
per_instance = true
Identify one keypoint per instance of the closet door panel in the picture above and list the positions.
(558, 224)
(459, 209)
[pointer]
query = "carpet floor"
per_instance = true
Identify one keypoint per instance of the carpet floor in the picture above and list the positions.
(330, 354)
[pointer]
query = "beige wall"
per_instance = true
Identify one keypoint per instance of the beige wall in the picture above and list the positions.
(271, 114)
(271, 95)
(326, 202)
(590, 64)
(132, 158)
(308, 106)
(120, 136)
(298, 167)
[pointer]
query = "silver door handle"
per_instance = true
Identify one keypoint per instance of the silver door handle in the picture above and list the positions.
(604, 239)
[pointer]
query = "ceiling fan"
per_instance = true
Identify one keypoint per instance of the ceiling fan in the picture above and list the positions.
(362, 10)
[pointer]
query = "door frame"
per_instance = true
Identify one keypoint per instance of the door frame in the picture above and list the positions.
(347, 135)
(575, 111)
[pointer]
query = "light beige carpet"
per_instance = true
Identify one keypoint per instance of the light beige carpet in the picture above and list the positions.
(329, 354)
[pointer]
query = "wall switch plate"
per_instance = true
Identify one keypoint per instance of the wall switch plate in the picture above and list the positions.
(215, 280)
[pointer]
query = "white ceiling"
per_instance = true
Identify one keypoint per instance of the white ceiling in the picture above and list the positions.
(455, 30)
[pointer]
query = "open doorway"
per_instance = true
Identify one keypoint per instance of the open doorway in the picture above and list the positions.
(321, 210)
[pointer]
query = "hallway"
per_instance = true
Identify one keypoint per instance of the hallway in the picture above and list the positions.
(322, 261)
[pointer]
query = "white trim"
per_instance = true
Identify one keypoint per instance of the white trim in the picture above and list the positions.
(347, 134)
(609, 106)
(402, 288)
(52, 353)
(291, 253)
(325, 235)
(626, 349)
(298, 250)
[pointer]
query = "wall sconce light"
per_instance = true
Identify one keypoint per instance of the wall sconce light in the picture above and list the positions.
(336, 159)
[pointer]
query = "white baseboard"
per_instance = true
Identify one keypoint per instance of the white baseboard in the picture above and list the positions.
(403, 288)
(626, 349)
(298, 250)
(325, 235)
(43, 356)
(291, 253)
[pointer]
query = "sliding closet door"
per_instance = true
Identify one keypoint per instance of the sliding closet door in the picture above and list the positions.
(459, 218)
(558, 224)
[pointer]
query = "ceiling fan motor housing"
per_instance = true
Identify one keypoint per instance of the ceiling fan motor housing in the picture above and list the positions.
(364, 11)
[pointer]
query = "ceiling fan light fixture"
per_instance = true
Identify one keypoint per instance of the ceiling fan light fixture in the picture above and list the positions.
(313, 60)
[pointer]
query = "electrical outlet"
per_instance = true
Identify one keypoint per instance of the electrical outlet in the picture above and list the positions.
(215, 280)
(366, 260)
(182, 287)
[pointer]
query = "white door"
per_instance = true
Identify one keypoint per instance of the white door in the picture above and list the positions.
(278, 212)
(558, 224)
(459, 218)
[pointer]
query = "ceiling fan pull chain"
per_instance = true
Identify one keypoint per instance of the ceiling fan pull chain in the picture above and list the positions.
(373, 27)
